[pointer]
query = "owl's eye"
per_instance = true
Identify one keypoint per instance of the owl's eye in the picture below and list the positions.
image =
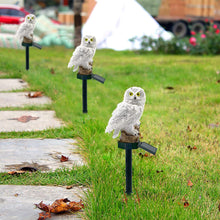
(91, 40)
(131, 93)
(32, 18)
(86, 39)
(28, 17)
(138, 94)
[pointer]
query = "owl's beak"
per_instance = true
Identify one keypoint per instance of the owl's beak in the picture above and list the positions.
(135, 97)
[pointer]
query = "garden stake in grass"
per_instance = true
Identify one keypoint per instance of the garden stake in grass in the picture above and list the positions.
(126, 118)
(85, 75)
(128, 146)
(26, 43)
(82, 58)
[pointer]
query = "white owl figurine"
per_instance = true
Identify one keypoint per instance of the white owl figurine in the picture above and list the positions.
(26, 29)
(128, 113)
(83, 54)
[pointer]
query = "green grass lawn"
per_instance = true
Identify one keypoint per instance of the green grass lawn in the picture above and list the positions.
(172, 120)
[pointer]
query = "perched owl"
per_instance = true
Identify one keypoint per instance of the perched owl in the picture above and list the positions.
(128, 113)
(26, 29)
(83, 54)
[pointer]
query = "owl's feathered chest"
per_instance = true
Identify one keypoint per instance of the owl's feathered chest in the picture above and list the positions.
(136, 112)
(126, 112)
(85, 52)
(28, 26)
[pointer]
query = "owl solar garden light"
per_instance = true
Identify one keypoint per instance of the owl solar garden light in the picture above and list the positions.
(25, 35)
(82, 60)
(126, 119)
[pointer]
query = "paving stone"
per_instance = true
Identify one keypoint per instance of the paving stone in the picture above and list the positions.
(20, 99)
(12, 84)
(17, 202)
(41, 154)
(41, 120)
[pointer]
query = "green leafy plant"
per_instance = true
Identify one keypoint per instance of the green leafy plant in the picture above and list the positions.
(205, 43)
(202, 43)
(173, 46)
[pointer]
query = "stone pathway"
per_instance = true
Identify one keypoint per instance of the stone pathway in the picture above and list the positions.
(39, 120)
(20, 99)
(12, 84)
(17, 202)
(41, 154)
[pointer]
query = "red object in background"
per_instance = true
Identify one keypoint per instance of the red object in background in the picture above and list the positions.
(192, 41)
(12, 14)
(215, 26)
(65, 2)
(55, 21)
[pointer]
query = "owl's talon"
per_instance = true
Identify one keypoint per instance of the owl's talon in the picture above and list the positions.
(138, 124)
(135, 132)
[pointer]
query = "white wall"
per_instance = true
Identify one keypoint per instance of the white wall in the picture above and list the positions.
(12, 2)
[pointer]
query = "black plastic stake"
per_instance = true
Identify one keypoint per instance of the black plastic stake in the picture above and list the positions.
(27, 57)
(84, 79)
(128, 171)
(84, 94)
(27, 45)
(128, 159)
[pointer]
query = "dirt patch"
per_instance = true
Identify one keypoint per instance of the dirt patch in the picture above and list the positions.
(189, 61)
(25, 164)
(2, 73)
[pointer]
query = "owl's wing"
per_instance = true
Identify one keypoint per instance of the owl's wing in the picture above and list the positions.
(21, 31)
(119, 116)
(93, 52)
(119, 106)
(122, 112)
(80, 53)
(77, 55)
(86, 52)
(74, 57)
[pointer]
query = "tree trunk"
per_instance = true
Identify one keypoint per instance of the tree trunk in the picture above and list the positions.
(77, 8)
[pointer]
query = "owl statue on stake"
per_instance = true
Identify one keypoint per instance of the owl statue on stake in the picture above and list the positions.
(126, 117)
(82, 59)
(83, 55)
(25, 31)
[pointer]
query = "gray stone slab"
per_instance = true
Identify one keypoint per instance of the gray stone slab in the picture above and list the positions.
(44, 120)
(42, 154)
(20, 99)
(17, 202)
(12, 84)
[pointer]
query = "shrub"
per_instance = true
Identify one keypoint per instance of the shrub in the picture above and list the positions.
(197, 44)
(173, 46)
(205, 43)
